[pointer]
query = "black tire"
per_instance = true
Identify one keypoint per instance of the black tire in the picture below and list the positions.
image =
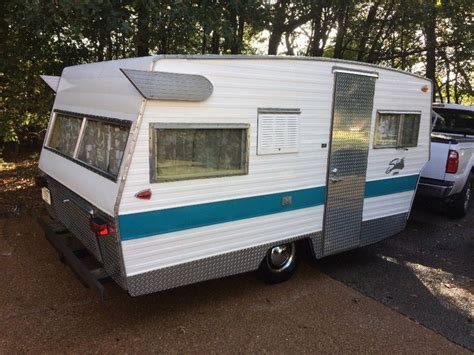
(460, 204)
(274, 272)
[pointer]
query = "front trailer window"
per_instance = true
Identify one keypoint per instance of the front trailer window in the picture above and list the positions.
(181, 153)
(396, 130)
(103, 145)
(65, 134)
(99, 145)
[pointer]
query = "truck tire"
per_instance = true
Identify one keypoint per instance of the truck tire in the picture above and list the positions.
(279, 263)
(460, 204)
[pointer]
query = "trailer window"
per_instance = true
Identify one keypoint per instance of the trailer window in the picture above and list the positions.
(65, 133)
(102, 145)
(410, 129)
(396, 130)
(193, 153)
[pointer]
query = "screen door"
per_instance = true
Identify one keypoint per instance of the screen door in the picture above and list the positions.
(347, 165)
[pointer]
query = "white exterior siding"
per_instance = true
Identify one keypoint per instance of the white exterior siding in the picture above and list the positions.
(145, 254)
(240, 88)
(237, 96)
(388, 205)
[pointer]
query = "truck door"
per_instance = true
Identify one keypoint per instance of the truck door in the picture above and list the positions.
(347, 162)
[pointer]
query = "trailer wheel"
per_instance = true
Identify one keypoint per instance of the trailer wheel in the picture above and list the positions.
(279, 264)
(460, 204)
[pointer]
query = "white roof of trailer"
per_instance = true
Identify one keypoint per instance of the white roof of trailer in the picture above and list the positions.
(118, 88)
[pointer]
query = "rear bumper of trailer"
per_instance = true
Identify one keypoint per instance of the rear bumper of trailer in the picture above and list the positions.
(58, 236)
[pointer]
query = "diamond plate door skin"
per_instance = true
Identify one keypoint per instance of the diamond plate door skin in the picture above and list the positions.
(347, 167)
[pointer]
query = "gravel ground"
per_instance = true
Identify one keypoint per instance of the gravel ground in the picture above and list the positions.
(43, 308)
(425, 272)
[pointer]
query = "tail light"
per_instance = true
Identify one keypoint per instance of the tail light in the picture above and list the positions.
(453, 162)
(100, 227)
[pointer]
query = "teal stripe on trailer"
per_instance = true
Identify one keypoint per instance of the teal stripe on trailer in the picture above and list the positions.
(145, 224)
(390, 186)
(139, 225)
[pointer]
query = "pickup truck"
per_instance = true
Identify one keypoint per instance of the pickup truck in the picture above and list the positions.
(449, 174)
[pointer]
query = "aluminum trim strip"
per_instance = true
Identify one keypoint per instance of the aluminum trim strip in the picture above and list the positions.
(276, 111)
(355, 72)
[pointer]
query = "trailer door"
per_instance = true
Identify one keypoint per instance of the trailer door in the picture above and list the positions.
(347, 162)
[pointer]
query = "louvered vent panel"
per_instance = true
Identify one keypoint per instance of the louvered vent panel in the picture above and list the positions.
(278, 133)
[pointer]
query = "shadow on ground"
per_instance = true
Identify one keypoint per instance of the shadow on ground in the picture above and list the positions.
(425, 272)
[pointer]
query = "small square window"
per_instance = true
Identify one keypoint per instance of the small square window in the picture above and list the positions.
(194, 152)
(396, 130)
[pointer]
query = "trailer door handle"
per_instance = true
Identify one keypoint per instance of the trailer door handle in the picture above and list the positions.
(333, 176)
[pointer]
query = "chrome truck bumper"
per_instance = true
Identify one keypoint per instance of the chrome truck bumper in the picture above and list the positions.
(434, 188)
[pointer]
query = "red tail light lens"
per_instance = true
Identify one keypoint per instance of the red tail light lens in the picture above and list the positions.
(144, 194)
(453, 162)
(99, 227)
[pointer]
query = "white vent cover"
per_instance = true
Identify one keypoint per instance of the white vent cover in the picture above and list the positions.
(278, 133)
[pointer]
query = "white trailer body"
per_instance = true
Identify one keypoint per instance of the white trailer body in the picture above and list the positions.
(212, 160)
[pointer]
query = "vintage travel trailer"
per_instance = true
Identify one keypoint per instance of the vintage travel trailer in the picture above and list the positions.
(176, 169)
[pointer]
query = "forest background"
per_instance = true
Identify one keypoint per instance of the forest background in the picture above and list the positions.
(432, 38)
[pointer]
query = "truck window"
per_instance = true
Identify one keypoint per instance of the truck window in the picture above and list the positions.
(65, 133)
(182, 153)
(396, 130)
(454, 121)
(102, 145)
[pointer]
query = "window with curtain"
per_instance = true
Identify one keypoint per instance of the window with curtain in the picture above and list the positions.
(181, 153)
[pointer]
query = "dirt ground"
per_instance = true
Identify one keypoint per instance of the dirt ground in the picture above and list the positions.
(410, 293)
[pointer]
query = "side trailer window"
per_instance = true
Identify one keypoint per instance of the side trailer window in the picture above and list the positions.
(65, 134)
(396, 130)
(102, 145)
(192, 152)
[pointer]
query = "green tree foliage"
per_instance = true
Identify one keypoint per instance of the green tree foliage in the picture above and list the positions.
(433, 38)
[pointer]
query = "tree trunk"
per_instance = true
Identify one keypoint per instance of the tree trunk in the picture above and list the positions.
(215, 42)
(204, 41)
(366, 31)
(314, 47)
(274, 41)
(142, 38)
(240, 33)
(342, 15)
(278, 27)
(430, 38)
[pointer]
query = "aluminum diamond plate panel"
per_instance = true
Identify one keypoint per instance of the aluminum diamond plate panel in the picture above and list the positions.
(70, 210)
(205, 269)
(73, 215)
(377, 229)
(157, 85)
(352, 112)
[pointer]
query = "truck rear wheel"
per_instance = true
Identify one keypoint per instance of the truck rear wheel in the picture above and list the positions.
(279, 264)
(458, 208)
